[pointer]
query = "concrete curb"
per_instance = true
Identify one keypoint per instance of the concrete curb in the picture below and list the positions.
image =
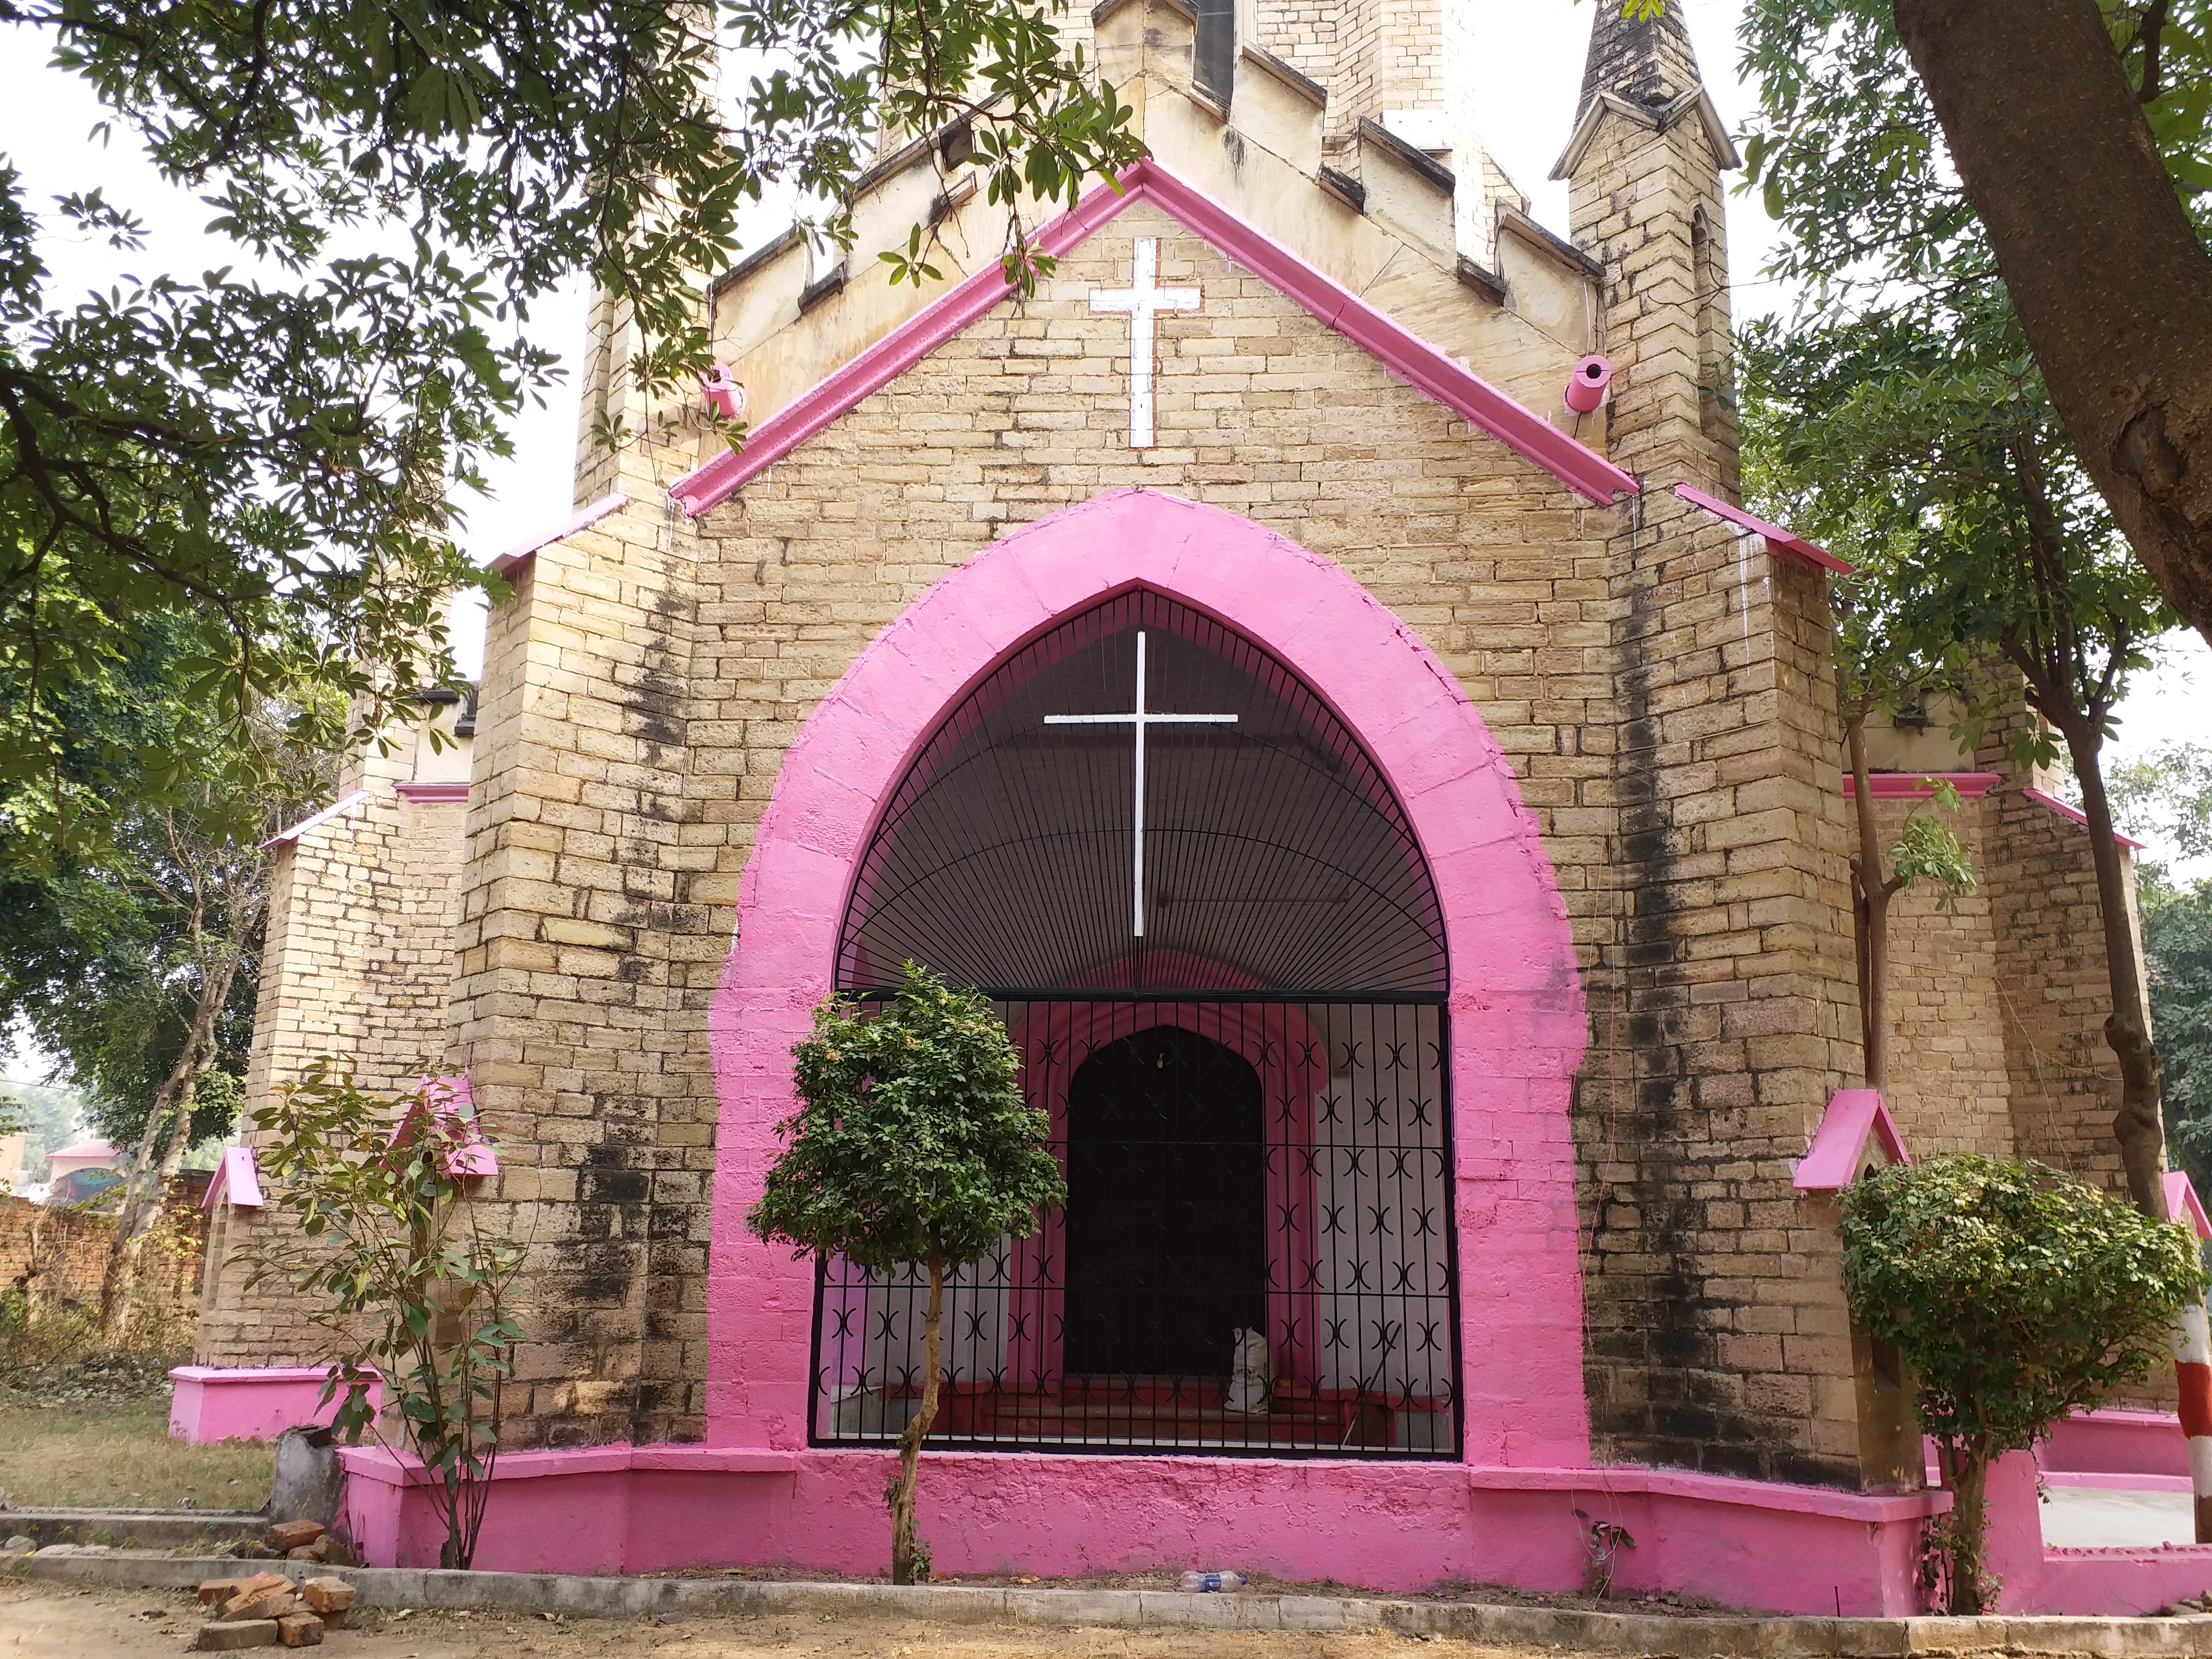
(1743, 1638)
(145, 1529)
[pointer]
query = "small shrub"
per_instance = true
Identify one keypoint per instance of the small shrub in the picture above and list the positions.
(2016, 1294)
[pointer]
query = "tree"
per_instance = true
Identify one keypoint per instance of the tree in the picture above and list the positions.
(2063, 144)
(1924, 431)
(281, 450)
(389, 1251)
(135, 963)
(2168, 794)
(912, 1143)
(2015, 1294)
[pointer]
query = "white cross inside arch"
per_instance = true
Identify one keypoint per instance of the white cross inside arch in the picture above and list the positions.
(1139, 718)
(1143, 300)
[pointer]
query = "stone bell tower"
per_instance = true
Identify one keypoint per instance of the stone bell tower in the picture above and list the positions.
(1644, 170)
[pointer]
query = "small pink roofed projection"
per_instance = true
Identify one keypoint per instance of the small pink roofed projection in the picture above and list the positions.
(1856, 1123)
(1920, 786)
(237, 1178)
(454, 1106)
(2182, 1203)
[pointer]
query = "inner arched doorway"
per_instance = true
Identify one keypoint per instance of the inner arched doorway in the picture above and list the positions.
(1153, 845)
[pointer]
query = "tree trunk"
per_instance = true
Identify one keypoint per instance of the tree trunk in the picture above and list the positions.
(1871, 895)
(2111, 285)
(2136, 1126)
(905, 1545)
(1966, 1471)
(171, 1112)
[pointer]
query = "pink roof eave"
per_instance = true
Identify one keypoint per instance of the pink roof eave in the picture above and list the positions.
(1778, 538)
(1419, 365)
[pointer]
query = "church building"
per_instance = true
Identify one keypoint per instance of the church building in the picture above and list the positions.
(1307, 665)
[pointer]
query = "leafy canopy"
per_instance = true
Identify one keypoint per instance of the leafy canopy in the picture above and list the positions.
(912, 1141)
(2014, 1293)
(282, 448)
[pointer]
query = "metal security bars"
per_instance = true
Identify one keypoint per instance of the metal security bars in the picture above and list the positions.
(1257, 1255)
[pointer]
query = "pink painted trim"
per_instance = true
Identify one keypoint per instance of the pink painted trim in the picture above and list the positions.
(582, 518)
(238, 1175)
(1876, 1508)
(391, 1468)
(1919, 786)
(2123, 1482)
(344, 803)
(2183, 1204)
(434, 794)
(1781, 540)
(1419, 365)
(1832, 1163)
(250, 1374)
(2043, 798)
(1517, 1026)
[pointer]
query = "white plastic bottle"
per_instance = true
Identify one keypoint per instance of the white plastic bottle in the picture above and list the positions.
(1206, 1582)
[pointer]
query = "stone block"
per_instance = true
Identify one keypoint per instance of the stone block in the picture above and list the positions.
(227, 1634)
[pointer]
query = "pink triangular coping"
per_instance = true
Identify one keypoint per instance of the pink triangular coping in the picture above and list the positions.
(1781, 540)
(238, 1175)
(2182, 1203)
(1832, 1163)
(1421, 366)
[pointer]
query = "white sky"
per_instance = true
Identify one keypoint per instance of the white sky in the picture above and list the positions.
(1528, 87)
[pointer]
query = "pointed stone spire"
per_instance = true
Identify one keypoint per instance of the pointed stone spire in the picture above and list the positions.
(1647, 61)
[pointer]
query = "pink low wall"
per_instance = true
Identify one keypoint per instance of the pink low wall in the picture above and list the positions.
(2038, 1579)
(211, 1404)
(1378, 1526)
(2116, 1442)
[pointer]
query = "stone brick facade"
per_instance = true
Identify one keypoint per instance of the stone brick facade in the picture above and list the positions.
(1660, 683)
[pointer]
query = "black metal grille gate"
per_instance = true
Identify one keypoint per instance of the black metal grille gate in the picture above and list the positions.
(1242, 1158)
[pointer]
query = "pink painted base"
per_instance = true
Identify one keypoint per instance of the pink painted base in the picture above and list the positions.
(211, 1405)
(1375, 1526)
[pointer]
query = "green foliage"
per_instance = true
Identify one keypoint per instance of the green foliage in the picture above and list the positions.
(1848, 156)
(396, 1257)
(2167, 794)
(1928, 850)
(912, 1140)
(2015, 1293)
(912, 1143)
(285, 455)
(2177, 934)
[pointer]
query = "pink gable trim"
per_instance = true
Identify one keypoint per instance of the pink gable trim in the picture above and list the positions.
(1421, 366)
(582, 518)
(2182, 1203)
(2042, 798)
(1832, 1163)
(432, 794)
(344, 803)
(1776, 537)
(237, 1175)
(1919, 786)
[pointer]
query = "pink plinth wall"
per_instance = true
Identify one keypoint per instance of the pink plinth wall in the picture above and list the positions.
(1384, 1527)
(210, 1404)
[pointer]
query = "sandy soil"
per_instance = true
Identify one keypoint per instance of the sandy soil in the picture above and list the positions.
(52, 1621)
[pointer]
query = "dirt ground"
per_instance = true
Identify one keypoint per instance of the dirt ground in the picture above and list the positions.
(52, 1621)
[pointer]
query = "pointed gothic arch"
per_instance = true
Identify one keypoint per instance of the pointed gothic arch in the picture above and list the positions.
(1517, 1029)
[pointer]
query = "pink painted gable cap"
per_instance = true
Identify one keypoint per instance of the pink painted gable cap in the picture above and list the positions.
(1832, 1161)
(1421, 366)
(2182, 1203)
(237, 1175)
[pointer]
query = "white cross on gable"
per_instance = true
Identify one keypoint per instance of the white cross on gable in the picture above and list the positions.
(1139, 718)
(1142, 299)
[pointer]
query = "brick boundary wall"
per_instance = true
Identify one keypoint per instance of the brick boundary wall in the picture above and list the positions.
(61, 1254)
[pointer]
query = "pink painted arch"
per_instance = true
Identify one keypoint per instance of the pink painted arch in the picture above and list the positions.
(1517, 1026)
